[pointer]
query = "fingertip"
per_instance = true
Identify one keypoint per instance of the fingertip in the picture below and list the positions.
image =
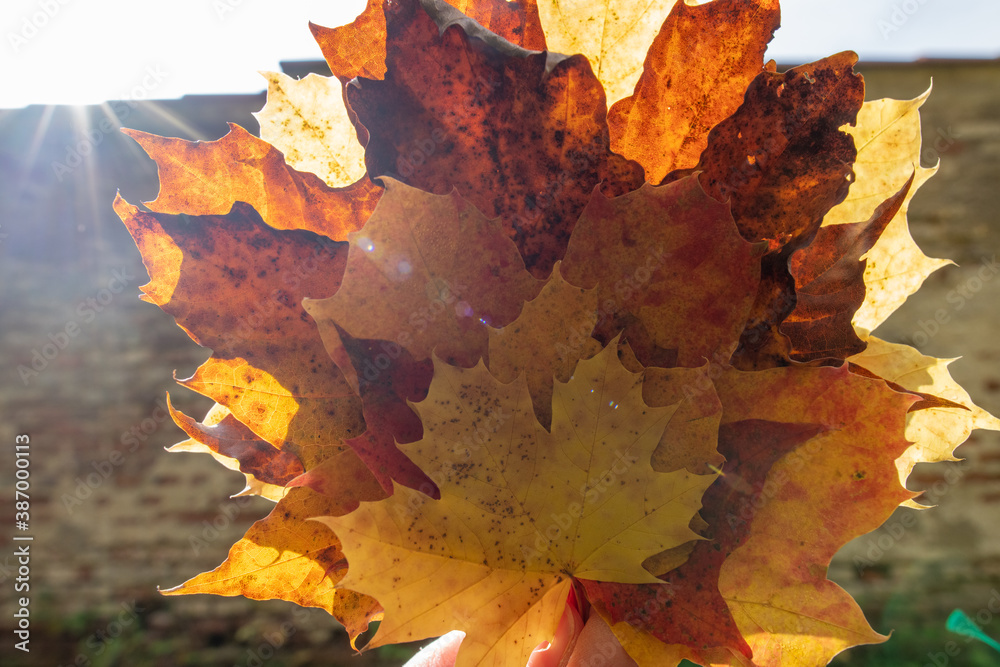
(442, 652)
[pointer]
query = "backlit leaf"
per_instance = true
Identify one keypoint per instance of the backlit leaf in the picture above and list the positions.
(521, 509)
(306, 120)
(694, 76)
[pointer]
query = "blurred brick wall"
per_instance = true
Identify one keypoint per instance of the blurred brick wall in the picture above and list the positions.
(96, 551)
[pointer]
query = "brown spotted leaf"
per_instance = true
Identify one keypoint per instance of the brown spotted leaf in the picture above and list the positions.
(783, 162)
(236, 285)
(781, 159)
(521, 135)
(694, 76)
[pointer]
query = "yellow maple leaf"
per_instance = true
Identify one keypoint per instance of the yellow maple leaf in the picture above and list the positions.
(614, 35)
(934, 431)
(522, 509)
(307, 121)
(887, 138)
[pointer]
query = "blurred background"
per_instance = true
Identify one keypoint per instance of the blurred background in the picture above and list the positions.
(113, 516)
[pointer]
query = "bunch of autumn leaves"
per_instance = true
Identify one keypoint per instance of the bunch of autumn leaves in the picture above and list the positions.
(534, 344)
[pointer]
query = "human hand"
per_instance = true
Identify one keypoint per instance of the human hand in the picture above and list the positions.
(575, 644)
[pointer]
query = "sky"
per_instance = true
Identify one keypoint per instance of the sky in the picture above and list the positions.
(88, 51)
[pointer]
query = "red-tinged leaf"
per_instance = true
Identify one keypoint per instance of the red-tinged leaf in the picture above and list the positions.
(410, 278)
(343, 480)
(382, 456)
(208, 177)
(521, 135)
(694, 76)
(355, 49)
(288, 556)
(694, 428)
(783, 162)
(836, 487)
(781, 159)
(216, 415)
(236, 285)
(233, 439)
(670, 269)
(944, 417)
(772, 530)
(389, 379)
(830, 286)
(688, 608)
